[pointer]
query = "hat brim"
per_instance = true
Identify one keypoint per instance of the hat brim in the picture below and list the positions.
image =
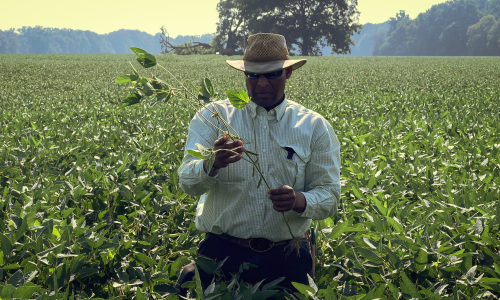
(265, 67)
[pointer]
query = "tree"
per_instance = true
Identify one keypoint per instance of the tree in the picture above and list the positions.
(231, 37)
(493, 8)
(307, 23)
(396, 39)
(442, 30)
(494, 38)
(477, 43)
(9, 42)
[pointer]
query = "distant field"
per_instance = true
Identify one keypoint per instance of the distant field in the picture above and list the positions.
(89, 196)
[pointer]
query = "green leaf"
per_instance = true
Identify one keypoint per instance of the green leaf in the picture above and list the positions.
(25, 292)
(303, 289)
(6, 245)
(145, 259)
(357, 192)
(338, 230)
(395, 224)
(165, 288)
(162, 97)
(408, 287)
(199, 289)
(394, 290)
(380, 206)
(238, 98)
(272, 283)
(498, 212)
(206, 90)
(343, 227)
(144, 58)
(209, 266)
(126, 78)
(196, 153)
(422, 257)
(327, 294)
(131, 99)
(395, 260)
(7, 291)
(370, 255)
(17, 279)
(139, 295)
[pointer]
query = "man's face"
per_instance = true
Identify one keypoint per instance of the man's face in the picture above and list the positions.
(268, 92)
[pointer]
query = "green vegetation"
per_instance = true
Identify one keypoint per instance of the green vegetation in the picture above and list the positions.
(456, 27)
(40, 40)
(90, 204)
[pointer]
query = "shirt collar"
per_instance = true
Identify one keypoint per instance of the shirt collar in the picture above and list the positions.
(279, 110)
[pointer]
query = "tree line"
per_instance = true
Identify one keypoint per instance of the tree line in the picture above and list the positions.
(40, 40)
(457, 27)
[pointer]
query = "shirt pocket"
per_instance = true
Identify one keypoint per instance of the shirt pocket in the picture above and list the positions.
(289, 169)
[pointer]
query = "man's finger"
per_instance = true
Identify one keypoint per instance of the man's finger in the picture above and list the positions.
(281, 198)
(233, 159)
(221, 141)
(225, 153)
(281, 190)
(233, 145)
(281, 208)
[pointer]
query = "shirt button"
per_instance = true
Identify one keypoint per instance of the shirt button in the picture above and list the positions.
(265, 126)
(264, 150)
(258, 227)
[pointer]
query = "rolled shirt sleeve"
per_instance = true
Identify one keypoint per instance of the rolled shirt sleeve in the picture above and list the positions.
(193, 180)
(322, 186)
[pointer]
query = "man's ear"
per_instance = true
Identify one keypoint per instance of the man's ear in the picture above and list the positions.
(288, 72)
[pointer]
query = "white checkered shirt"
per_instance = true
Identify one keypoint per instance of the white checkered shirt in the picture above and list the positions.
(231, 203)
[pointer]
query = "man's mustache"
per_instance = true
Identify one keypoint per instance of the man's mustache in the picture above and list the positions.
(264, 91)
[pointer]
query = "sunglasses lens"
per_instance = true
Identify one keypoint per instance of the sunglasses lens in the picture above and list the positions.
(252, 75)
(272, 75)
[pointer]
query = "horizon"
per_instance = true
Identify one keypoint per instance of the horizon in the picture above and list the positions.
(194, 18)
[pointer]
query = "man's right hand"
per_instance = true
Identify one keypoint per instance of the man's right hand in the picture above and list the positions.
(224, 158)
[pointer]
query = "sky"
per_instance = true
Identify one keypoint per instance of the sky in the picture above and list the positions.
(180, 17)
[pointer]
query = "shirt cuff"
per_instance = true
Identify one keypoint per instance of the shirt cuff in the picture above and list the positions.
(204, 178)
(310, 207)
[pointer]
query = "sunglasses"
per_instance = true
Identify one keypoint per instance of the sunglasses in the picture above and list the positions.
(271, 75)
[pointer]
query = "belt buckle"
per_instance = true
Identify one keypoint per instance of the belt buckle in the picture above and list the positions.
(260, 244)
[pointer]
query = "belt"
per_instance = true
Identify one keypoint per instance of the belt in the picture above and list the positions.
(256, 244)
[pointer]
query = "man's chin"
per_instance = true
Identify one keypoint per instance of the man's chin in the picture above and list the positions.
(264, 101)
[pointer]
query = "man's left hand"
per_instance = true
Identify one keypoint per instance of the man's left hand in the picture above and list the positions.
(285, 198)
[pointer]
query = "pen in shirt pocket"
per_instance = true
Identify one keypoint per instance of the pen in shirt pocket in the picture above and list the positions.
(291, 155)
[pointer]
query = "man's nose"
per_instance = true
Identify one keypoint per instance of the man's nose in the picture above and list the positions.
(262, 81)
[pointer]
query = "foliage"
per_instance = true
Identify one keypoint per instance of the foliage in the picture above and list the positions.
(306, 23)
(42, 40)
(457, 27)
(231, 31)
(90, 205)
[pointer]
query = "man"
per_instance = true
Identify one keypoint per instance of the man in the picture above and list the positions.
(299, 155)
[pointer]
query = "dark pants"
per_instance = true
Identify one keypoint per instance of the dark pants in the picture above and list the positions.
(275, 263)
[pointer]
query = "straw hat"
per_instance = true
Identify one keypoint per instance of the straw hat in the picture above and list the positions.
(265, 52)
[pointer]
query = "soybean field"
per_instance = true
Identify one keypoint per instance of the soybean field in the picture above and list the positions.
(90, 205)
